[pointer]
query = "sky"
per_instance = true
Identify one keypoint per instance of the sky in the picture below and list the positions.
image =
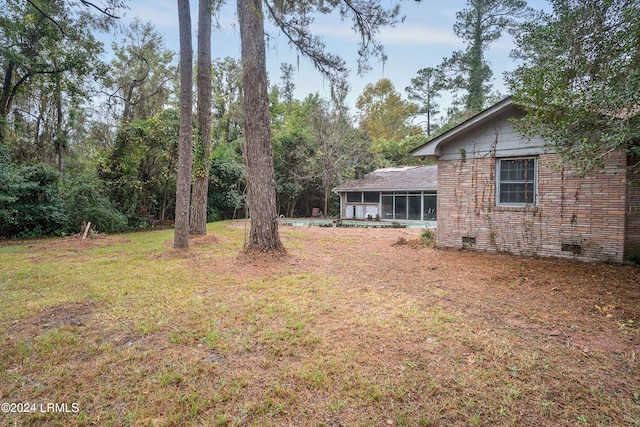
(424, 38)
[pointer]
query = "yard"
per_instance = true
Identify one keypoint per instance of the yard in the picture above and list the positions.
(355, 327)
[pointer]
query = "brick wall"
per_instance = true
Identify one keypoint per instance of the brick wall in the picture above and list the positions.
(632, 240)
(580, 213)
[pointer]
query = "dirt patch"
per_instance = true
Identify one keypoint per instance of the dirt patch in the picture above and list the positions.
(71, 314)
(75, 243)
(186, 253)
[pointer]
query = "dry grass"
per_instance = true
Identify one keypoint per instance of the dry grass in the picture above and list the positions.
(351, 328)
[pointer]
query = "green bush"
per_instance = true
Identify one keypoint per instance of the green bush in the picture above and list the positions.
(86, 201)
(30, 205)
(427, 237)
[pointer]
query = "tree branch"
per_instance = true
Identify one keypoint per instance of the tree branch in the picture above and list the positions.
(311, 47)
(43, 13)
(104, 11)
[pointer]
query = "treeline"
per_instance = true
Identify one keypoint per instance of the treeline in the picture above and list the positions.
(88, 140)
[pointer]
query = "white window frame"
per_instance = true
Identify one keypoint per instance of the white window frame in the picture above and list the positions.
(499, 182)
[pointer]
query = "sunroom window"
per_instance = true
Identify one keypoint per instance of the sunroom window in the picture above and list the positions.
(354, 197)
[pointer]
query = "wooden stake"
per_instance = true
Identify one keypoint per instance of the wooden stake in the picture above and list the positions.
(86, 231)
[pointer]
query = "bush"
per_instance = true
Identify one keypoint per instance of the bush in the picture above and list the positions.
(30, 205)
(86, 202)
(427, 237)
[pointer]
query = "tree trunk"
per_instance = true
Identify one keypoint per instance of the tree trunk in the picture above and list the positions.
(185, 154)
(60, 138)
(475, 100)
(258, 155)
(327, 198)
(198, 223)
(5, 101)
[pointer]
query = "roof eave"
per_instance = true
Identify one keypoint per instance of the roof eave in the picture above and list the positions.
(348, 190)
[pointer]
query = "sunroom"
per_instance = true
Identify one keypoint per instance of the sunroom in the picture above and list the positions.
(391, 194)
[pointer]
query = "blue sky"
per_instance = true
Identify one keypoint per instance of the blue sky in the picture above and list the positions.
(424, 38)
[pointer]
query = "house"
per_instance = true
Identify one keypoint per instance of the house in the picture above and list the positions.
(500, 192)
(392, 194)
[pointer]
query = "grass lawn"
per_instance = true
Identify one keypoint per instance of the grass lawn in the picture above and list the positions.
(354, 327)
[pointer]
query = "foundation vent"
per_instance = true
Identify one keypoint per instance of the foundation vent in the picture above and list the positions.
(572, 247)
(468, 242)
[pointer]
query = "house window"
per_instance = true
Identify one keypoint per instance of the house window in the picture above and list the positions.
(354, 197)
(516, 181)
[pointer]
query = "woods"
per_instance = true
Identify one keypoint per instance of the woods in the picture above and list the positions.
(105, 134)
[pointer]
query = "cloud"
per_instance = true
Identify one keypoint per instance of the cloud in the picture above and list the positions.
(418, 35)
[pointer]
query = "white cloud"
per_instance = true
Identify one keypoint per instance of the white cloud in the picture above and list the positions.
(413, 34)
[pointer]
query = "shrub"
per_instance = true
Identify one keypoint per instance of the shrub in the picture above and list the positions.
(86, 201)
(30, 205)
(427, 237)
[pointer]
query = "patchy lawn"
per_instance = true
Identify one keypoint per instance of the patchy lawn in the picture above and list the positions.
(351, 329)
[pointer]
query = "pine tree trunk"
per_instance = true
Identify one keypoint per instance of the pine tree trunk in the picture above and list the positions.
(5, 101)
(199, 194)
(185, 155)
(198, 221)
(59, 137)
(258, 155)
(475, 99)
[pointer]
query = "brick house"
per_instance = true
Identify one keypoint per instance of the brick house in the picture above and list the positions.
(392, 194)
(500, 192)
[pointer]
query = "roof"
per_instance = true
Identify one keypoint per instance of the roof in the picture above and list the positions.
(410, 178)
(431, 149)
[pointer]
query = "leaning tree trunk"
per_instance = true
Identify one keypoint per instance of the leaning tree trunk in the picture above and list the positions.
(185, 155)
(258, 156)
(202, 161)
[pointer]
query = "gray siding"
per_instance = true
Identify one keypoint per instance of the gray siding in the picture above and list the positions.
(496, 137)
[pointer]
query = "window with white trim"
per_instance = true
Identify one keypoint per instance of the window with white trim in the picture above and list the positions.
(516, 181)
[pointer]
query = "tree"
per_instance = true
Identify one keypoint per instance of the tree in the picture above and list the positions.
(227, 102)
(384, 114)
(202, 157)
(141, 74)
(478, 26)
(227, 183)
(287, 86)
(226, 194)
(293, 18)
(386, 120)
(580, 80)
(140, 170)
(290, 147)
(336, 146)
(31, 205)
(424, 89)
(263, 235)
(185, 155)
(44, 63)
